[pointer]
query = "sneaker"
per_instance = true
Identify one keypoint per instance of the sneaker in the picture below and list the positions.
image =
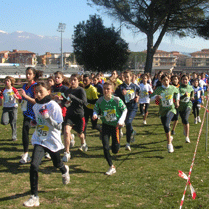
(83, 147)
(172, 132)
(25, 158)
(132, 136)
(32, 201)
(47, 156)
(121, 133)
(170, 148)
(128, 147)
(66, 157)
(144, 122)
(195, 121)
(72, 141)
(198, 119)
(66, 176)
(111, 170)
(187, 140)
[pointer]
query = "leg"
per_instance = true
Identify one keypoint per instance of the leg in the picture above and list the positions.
(38, 153)
(115, 140)
(87, 114)
(25, 133)
(67, 137)
(5, 116)
(13, 123)
(146, 111)
(141, 108)
(105, 142)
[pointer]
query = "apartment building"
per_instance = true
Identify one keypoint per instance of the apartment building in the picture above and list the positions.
(198, 59)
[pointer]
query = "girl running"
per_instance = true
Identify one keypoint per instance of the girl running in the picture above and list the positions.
(10, 96)
(144, 100)
(75, 98)
(129, 92)
(198, 99)
(166, 95)
(186, 95)
(28, 101)
(46, 138)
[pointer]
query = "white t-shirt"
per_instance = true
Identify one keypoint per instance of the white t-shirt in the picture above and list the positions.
(9, 98)
(144, 93)
(45, 134)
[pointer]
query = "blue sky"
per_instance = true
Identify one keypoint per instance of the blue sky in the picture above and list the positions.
(42, 17)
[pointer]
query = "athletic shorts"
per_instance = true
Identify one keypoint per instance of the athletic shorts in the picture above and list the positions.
(77, 123)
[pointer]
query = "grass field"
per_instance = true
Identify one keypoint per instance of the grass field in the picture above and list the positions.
(147, 177)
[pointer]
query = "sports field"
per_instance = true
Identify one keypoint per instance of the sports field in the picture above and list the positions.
(147, 177)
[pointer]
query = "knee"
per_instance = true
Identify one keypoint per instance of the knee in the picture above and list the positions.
(34, 167)
(166, 128)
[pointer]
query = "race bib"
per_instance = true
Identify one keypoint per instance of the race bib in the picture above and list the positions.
(110, 115)
(9, 96)
(144, 94)
(130, 94)
(24, 105)
(42, 132)
(167, 100)
(186, 99)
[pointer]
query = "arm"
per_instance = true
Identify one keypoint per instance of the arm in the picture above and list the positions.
(31, 100)
(121, 120)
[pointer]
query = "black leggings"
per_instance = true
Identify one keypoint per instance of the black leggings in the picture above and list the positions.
(108, 131)
(196, 109)
(141, 105)
(25, 133)
(185, 115)
(38, 153)
(166, 120)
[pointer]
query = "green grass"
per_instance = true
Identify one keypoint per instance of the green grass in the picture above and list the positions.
(147, 177)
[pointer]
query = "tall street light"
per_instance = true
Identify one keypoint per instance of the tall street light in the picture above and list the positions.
(61, 29)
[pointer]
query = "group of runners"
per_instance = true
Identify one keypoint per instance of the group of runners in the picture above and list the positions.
(59, 105)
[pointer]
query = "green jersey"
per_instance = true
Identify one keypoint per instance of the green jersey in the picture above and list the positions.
(167, 101)
(110, 111)
(185, 101)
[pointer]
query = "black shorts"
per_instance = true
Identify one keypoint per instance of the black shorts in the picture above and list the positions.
(185, 115)
(77, 123)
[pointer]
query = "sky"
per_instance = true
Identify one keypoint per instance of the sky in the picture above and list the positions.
(42, 17)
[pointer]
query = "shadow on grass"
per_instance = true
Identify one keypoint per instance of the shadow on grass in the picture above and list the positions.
(76, 169)
(16, 196)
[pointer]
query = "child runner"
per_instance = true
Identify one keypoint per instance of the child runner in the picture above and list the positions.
(46, 138)
(51, 81)
(10, 96)
(129, 92)
(166, 94)
(76, 99)
(113, 113)
(98, 86)
(186, 95)
(144, 100)
(92, 97)
(175, 82)
(198, 99)
(28, 101)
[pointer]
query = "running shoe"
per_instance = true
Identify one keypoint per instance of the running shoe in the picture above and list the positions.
(83, 147)
(25, 158)
(144, 122)
(170, 148)
(66, 157)
(72, 141)
(195, 121)
(128, 147)
(47, 156)
(198, 119)
(32, 201)
(111, 170)
(187, 140)
(66, 176)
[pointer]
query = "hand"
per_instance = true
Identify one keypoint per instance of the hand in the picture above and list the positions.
(192, 98)
(158, 97)
(120, 125)
(124, 92)
(94, 117)
(44, 112)
(33, 123)
(22, 92)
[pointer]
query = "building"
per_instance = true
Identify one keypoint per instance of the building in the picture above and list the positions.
(22, 57)
(55, 58)
(198, 59)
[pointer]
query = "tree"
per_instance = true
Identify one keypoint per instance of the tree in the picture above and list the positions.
(155, 18)
(99, 48)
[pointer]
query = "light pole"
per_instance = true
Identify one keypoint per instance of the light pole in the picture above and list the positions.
(61, 29)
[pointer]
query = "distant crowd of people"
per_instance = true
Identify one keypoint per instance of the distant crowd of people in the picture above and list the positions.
(59, 105)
